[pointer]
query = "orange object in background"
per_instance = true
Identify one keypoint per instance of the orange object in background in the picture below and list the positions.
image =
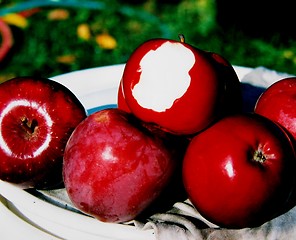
(16, 20)
(106, 41)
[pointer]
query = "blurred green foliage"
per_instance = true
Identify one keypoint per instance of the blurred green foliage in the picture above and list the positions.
(39, 47)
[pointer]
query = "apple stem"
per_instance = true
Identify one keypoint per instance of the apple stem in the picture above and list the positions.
(29, 127)
(259, 156)
(182, 38)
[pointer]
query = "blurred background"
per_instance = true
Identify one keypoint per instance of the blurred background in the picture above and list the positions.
(50, 37)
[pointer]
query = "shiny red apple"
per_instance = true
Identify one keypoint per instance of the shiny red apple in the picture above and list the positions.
(37, 116)
(240, 172)
(121, 103)
(278, 103)
(181, 88)
(115, 167)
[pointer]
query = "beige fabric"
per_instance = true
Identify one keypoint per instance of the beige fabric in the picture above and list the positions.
(177, 224)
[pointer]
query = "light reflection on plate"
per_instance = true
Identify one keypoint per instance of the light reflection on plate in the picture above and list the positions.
(37, 219)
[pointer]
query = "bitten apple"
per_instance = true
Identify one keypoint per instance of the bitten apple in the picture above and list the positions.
(181, 88)
(115, 167)
(240, 172)
(278, 103)
(37, 116)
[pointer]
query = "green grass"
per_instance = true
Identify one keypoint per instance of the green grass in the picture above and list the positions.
(37, 46)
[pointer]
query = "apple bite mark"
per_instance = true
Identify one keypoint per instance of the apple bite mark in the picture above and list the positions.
(162, 81)
(27, 127)
(180, 88)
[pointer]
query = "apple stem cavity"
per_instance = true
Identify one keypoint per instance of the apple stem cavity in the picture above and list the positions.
(259, 156)
(29, 126)
(182, 38)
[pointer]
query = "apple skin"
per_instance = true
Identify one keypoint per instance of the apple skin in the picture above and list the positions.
(159, 68)
(278, 103)
(37, 116)
(115, 167)
(240, 172)
(121, 103)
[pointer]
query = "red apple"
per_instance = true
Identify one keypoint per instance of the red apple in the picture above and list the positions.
(115, 167)
(278, 103)
(240, 172)
(179, 87)
(37, 117)
(121, 103)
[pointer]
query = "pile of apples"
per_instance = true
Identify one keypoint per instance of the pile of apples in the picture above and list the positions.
(179, 113)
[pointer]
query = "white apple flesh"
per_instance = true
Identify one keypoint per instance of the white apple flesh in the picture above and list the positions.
(162, 82)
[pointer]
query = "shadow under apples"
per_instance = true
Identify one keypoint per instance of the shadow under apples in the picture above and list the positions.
(250, 94)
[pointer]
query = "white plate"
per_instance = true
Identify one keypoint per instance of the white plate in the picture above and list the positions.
(25, 216)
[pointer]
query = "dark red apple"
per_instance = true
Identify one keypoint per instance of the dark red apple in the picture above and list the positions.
(278, 103)
(121, 103)
(115, 167)
(240, 172)
(181, 88)
(37, 116)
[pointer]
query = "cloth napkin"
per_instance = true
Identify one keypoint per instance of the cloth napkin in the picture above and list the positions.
(183, 222)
